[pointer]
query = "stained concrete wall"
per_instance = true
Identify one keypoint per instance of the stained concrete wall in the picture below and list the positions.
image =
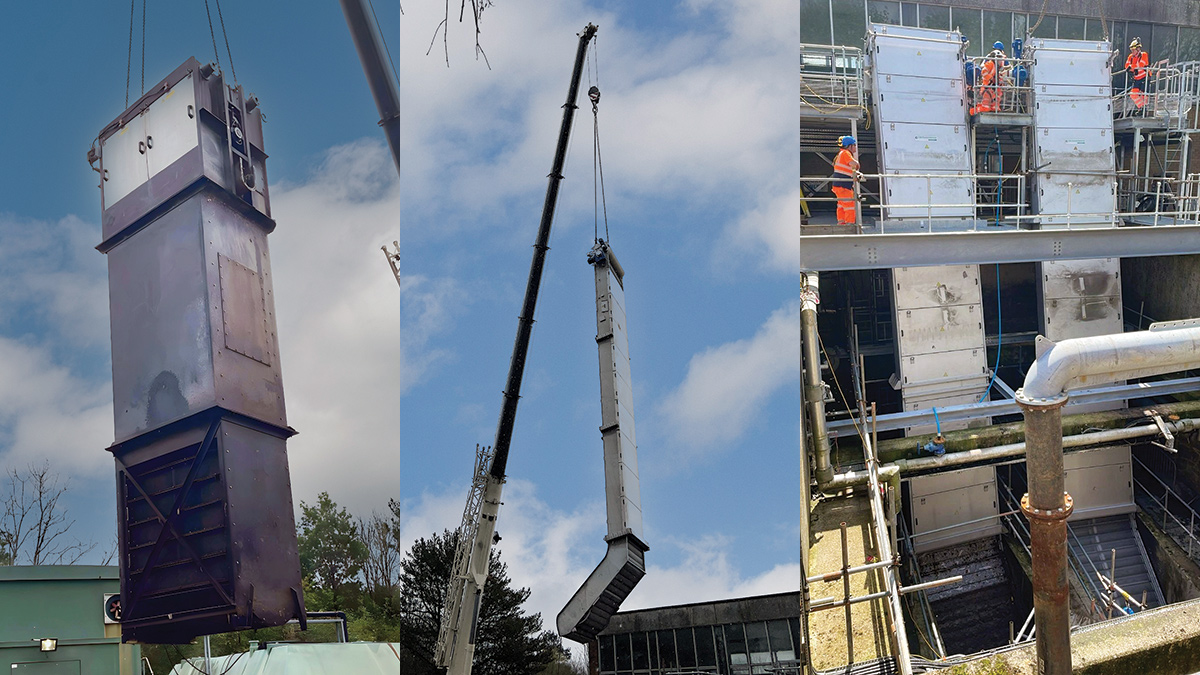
(1177, 574)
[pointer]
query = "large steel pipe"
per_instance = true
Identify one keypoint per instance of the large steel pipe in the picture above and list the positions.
(1047, 507)
(814, 391)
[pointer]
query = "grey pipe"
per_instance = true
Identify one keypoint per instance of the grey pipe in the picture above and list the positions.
(814, 391)
(1018, 449)
(1068, 364)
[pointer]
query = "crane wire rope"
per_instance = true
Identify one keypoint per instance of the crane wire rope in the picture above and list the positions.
(129, 57)
(212, 33)
(598, 197)
(143, 46)
(383, 37)
(225, 35)
(1041, 15)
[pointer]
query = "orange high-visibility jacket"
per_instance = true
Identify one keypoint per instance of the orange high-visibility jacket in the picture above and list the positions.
(844, 166)
(1138, 64)
(988, 75)
(845, 163)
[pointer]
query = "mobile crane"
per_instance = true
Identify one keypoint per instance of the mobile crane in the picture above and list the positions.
(460, 616)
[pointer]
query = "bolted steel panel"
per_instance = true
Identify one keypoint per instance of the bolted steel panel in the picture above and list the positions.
(1100, 482)
(227, 558)
(622, 491)
(948, 501)
(1070, 62)
(1072, 134)
(939, 329)
(171, 354)
(930, 53)
(918, 97)
(921, 122)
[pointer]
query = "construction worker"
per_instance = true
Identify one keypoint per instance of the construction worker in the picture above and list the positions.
(845, 173)
(990, 95)
(1138, 61)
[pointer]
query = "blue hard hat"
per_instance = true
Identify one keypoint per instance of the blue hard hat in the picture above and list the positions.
(848, 141)
(998, 45)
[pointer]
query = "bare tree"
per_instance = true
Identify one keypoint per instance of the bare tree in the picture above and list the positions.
(33, 522)
(477, 7)
(382, 568)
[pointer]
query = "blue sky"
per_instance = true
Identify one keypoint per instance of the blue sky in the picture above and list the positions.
(392, 389)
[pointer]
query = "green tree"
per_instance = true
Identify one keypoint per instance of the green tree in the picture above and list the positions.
(331, 555)
(509, 642)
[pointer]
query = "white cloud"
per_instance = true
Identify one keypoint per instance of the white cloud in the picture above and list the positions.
(726, 386)
(770, 232)
(704, 117)
(47, 412)
(53, 327)
(351, 342)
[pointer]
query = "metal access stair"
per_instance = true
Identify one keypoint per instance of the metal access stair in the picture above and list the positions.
(1092, 543)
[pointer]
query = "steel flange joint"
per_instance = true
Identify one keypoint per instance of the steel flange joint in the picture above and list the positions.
(1048, 515)
(1040, 403)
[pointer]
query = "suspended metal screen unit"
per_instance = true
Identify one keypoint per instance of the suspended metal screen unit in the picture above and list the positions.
(1073, 133)
(624, 564)
(205, 525)
(921, 123)
(942, 357)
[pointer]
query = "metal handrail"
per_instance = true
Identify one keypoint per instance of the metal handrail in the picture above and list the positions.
(1083, 580)
(1014, 98)
(1166, 91)
(1191, 528)
(927, 614)
(831, 79)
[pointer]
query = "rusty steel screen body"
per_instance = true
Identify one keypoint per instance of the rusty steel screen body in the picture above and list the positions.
(205, 522)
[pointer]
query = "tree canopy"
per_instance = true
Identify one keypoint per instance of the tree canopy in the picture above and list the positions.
(510, 642)
(332, 554)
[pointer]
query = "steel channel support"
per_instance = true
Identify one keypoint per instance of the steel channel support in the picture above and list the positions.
(846, 595)
(814, 392)
(886, 552)
(805, 541)
(1047, 506)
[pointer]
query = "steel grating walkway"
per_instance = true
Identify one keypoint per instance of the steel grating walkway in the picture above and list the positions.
(1092, 543)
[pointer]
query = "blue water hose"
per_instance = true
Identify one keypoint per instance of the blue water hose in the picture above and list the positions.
(999, 342)
(937, 422)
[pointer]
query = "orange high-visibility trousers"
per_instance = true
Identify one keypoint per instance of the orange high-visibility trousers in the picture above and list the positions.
(1137, 97)
(846, 214)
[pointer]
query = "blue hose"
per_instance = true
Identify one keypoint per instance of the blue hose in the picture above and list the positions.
(999, 342)
(937, 422)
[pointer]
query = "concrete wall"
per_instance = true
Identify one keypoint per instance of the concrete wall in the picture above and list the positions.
(1178, 576)
(1167, 286)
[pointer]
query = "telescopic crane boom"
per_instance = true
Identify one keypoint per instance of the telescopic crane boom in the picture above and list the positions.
(456, 639)
(368, 40)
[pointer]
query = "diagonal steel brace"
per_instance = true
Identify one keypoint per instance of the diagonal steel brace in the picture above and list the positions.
(168, 521)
